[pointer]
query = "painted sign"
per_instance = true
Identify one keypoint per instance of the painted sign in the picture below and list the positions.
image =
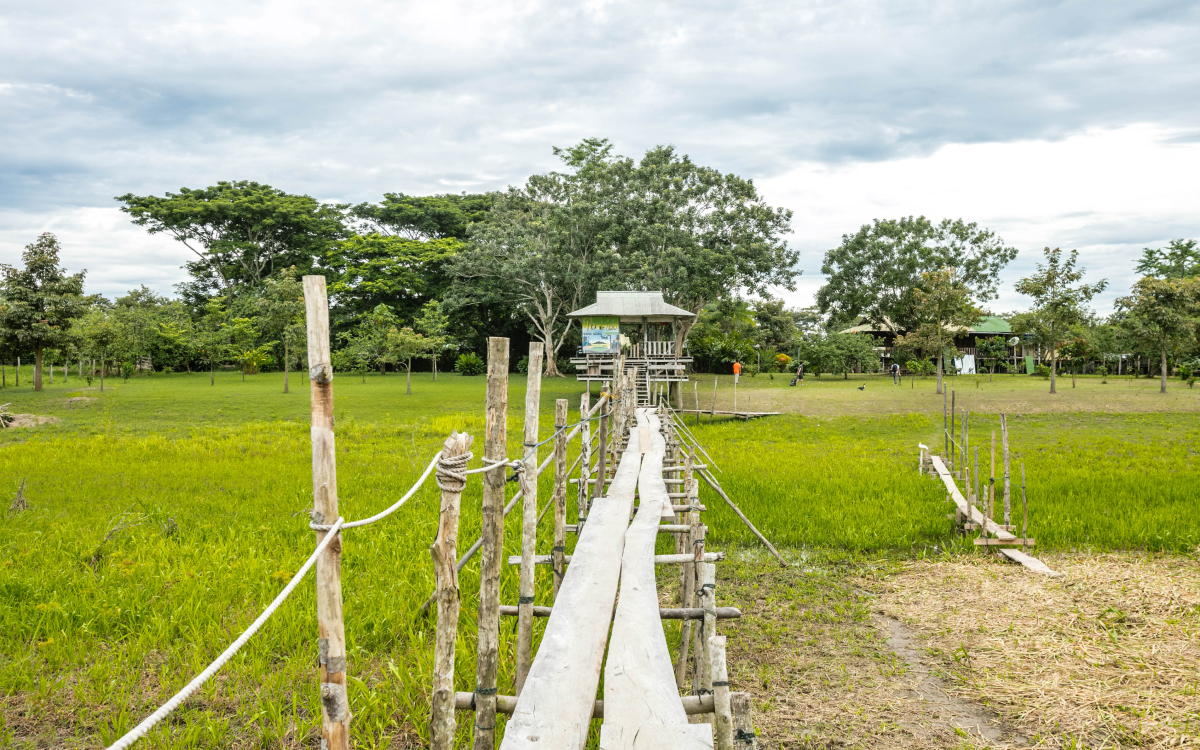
(601, 335)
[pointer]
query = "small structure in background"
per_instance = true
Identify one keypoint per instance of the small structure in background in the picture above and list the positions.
(964, 339)
(657, 352)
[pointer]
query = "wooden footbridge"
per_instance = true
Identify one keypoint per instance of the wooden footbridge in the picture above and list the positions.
(639, 478)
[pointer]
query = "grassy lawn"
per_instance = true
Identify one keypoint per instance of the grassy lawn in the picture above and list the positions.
(215, 481)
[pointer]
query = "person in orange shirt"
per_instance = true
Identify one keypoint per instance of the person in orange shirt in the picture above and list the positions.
(737, 370)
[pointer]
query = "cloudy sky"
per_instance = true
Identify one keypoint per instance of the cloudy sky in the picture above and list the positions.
(1069, 124)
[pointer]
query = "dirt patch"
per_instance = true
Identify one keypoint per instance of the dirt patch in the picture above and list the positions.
(31, 420)
(1108, 656)
(80, 400)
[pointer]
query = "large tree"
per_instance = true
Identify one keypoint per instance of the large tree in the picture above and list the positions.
(374, 269)
(38, 303)
(1178, 260)
(942, 303)
(281, 311)
(1059, 302)
(424, 217)
(1162, 311)
(240, 232)
(873, 272)
(695, 233)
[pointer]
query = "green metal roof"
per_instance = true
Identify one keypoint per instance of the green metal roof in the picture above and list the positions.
(989, 324)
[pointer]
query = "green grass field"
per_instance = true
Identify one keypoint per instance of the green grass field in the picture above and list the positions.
(216, 480)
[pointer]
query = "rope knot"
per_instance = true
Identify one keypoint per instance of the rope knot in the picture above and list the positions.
(452, 472)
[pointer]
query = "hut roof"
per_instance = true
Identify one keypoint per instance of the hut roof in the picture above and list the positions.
(632, 307)
(989, 324)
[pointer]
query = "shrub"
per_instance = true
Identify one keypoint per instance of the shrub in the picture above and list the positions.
(565, 366)
(1042, 371)
(523, 365)
(782, 362)
(1102, 371)
(470, 364)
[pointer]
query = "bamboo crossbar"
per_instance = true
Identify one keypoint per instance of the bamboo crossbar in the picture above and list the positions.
(658, 559)
(505, 704)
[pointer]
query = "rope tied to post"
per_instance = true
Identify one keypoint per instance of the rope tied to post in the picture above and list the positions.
(452, 472)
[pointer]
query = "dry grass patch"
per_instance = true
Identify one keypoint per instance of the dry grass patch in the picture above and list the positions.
(1107, 657)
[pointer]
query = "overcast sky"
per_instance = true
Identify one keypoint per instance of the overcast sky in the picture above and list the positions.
(1069, 124)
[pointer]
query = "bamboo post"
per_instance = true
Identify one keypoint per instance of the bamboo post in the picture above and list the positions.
(975, 471)
(529, 507)
(707, 580)
(444, 551)
(331, 632)
(492, 550)
(743, 721)
(1007, 480)
(1024, 509)
(954, 462)
(723, 711)
(560, 492)
(945, 425)
(688, 571)
(696, 393)
(585, 452)
(602, 450)
(992, 481)
(713, 413)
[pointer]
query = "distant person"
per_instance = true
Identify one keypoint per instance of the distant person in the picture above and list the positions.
(895, 373)
(799, 375)
(737, 370)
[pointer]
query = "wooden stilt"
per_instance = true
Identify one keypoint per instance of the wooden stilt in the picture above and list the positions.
(529, 506)
(492, 550)
(743, 721)
(331, 639)
(1024, 506)
(602, 441)
(444, 550)
(992, 481)
(585, 452)
(560, 492)
(1007, 473)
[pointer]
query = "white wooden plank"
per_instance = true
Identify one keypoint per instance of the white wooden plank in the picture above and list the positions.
(639, 678)
(555, 708)
(977, 516)
(656, 737)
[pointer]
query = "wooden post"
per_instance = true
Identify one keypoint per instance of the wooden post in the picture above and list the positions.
(331, 633)
(1007, 480)
(585, 452)
(723, 711)
(492, 551)
(713, 413)
(703, 679)
(982, 504)
(992, 481)
(529, 506)
(954, 467)
(1024, 508)
(743, 721)
(560, 492)
(602, 450)
(945, 425)
(696, 393)
(444, 551)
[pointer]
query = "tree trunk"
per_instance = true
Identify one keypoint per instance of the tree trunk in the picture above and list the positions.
(101, 372)
(940, 386)
(17, 371)
(212, 373)
(408, 378)
(285, 368)
(551, 365)
(434, 360)
(1162, 388)
(1053, 371)
(37, 369)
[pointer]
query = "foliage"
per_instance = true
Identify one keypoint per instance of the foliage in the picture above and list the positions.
(1163, 311)
(875, 271)
(839, 353)
(39, 302)
(423, 218)
(1179, 260)
(281, 314)
(433, 322)
(943, 302)
(920, 366)
(241, 231)
(1042, 371)
(783, 362)
(991, 349)
(375, 269)
(404, 345)
(1059, 301)
(470, 364)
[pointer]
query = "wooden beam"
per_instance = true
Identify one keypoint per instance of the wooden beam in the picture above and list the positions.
(665, 613)
(692, 704)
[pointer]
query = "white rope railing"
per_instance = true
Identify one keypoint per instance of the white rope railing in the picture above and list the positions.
(148, 723)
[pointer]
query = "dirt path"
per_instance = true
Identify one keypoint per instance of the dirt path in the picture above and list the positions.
(967, 654)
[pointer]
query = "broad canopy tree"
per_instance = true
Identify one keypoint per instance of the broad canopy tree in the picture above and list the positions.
(942, 305)
(427, 217)
(1162, 311)
(1180, 259)
(1059, 301)
(241, 231)
(875, 271)
(39, 302)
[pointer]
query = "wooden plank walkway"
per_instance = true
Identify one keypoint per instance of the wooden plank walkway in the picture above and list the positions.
(642, 707)
(977, 516)
(555, 709)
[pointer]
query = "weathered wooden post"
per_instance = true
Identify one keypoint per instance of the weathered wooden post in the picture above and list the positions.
(1007, 479)
(444, 550)
(703, 678)
(529, 508)
(688, 572)
(713, 412)
(560, 492)
(492, 551)
(722, 710)
(991, 490)
(1024, 509)
(743, 721)
(331, 632)
(585, 461)
(696, 394)
(602, 449)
